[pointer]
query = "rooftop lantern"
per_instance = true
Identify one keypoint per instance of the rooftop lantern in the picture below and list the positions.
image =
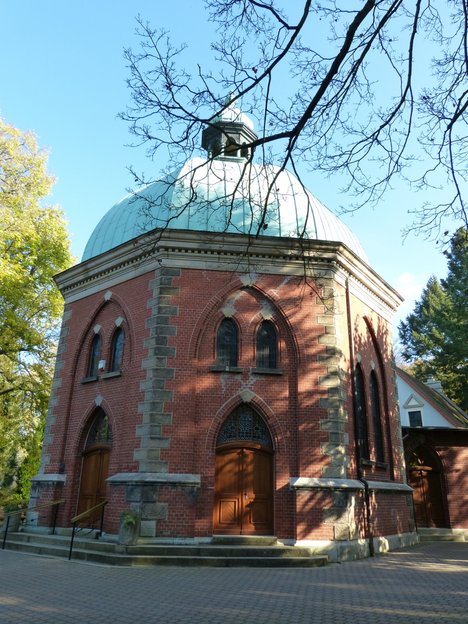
(230, 133)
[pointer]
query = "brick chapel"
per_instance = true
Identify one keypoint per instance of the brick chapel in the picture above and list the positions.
(225, 366)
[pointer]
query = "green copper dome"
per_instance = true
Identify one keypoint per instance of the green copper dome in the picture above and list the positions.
(222, 193)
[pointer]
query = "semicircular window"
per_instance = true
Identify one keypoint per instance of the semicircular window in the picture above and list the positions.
(243, 424)
(99, 432)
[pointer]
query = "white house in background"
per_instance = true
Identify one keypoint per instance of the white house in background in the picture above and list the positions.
(435, 440)
(425, 405)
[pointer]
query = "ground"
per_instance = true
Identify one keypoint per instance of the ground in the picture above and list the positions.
(425, 585)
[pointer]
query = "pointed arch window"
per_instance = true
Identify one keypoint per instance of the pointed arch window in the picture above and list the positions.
(94, 356)
(227, 343)
(361, 415)
(117, 348)
(376, 417)
(244, 424)
(266, 345)
(99, 433)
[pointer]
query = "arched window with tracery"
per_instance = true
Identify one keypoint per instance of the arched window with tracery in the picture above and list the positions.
(361, 414)
(227, 343)
(376, 417)
(266, 345)
(94, 356)
(99, 432)
(117, 348)
(244, 424)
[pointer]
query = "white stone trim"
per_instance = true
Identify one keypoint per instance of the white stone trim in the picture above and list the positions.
(389, 485)
(156, 478)
(315, 483)
(351, 550)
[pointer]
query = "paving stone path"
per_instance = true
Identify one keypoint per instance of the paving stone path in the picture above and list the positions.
(423, 585)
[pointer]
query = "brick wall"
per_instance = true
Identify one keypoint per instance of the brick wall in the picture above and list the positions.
(167, 406)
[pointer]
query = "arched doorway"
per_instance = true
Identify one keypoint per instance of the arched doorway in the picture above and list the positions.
(425, 477)
(244, 476)
(95, 462)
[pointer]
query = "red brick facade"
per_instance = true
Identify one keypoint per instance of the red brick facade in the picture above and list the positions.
(166, 405)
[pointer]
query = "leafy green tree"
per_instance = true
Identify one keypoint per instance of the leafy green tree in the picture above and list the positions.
(435, 336)
(34, 246)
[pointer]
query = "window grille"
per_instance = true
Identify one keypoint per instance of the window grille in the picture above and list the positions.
(244, 423)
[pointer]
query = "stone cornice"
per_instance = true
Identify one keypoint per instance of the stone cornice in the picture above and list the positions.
(227, 252)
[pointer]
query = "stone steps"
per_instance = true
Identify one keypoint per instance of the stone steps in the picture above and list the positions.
(228, 553)
(442, 535)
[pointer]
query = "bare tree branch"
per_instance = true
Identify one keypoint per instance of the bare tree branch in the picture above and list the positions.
(339, 86)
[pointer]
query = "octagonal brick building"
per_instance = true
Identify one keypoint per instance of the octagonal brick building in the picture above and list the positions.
(225, 367)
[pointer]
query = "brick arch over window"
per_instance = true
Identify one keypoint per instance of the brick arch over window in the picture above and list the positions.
(277, 433)
(244, 424)
(120, 310)
(85, 423)
(98, 430)
(280, 323)
(206, 325)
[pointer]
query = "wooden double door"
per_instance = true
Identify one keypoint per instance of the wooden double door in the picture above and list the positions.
(243, 491)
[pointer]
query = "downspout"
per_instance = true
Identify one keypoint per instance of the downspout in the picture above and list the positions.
(367, 513)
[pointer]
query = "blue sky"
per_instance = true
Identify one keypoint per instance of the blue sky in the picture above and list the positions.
(62, 75)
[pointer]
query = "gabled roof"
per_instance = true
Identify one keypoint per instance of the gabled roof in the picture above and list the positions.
(446, 408)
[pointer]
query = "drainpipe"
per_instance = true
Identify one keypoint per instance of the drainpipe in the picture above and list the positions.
(368, 527)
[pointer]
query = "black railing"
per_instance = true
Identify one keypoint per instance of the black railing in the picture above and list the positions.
(26, 510)
(83, 516)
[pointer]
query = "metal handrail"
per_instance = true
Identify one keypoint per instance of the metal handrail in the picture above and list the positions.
(88, 512)
(83, 516)
(22, 510)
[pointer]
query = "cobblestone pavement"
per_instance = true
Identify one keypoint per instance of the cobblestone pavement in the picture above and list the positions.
(423, 585)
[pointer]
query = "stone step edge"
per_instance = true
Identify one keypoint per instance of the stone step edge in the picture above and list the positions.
(176, 560)
(144, 548)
